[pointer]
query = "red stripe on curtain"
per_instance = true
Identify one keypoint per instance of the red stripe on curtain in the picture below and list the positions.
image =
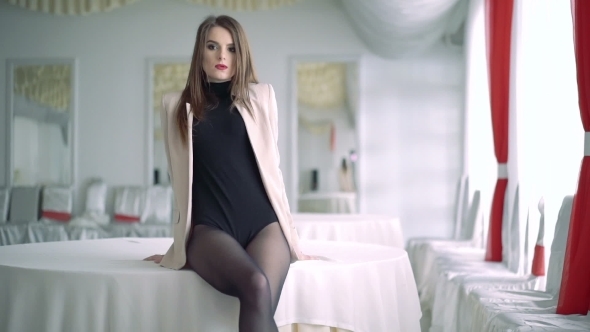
(574, 296)
(499, 34)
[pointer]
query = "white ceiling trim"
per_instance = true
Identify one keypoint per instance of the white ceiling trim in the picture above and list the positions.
(395, 28)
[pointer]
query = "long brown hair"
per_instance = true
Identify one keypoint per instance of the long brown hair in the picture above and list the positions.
(196, 84)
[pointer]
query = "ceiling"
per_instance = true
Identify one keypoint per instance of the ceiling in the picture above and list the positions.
(390, 28)
(397, 28)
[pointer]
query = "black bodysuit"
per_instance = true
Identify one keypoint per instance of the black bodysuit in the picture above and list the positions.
(228, 193)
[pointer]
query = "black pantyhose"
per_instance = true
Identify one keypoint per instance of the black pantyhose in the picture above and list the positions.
(254, 275)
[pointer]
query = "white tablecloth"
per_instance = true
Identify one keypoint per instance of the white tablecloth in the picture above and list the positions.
(327, 202)
(364, 228)
(103, 285)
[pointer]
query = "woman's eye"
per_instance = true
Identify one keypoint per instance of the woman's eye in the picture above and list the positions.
(232, 49)
(211, 46)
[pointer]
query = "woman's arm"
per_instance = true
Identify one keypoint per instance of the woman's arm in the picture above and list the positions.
(274, 123)
(164, 125)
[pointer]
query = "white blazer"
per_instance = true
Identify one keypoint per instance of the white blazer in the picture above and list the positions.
(262, 130)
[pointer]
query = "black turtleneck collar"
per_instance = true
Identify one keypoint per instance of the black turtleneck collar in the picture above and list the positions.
(221, 90)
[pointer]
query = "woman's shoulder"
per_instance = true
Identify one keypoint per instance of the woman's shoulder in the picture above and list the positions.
(170, 100)
(260, 91)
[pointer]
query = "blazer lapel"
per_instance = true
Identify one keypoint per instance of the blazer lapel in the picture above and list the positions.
(189, 183)
(253, 132)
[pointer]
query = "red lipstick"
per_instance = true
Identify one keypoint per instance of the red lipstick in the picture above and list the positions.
(221, 67)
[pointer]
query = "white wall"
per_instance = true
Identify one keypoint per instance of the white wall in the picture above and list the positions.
(314, 148)
(412, 133)
(412, 152)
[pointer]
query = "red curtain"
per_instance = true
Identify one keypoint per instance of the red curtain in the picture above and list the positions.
(499, 36)
(574, 296)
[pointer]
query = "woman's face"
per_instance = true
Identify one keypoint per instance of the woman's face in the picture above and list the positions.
(219, 55)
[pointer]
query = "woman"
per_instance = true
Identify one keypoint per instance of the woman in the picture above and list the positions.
(232, 221)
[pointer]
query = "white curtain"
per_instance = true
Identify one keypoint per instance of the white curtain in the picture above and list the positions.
(550, 135)
(547, 139)
(479, 142)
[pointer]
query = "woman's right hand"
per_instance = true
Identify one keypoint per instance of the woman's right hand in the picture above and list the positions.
(305, 257)
(155, 258)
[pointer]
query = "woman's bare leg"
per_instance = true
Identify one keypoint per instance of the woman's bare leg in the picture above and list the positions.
(222, 262)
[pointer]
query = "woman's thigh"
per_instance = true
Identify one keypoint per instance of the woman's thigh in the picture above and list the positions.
(219, 259)
(270, 250)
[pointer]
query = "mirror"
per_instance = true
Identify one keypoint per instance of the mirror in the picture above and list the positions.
(164, 75)
(41, 113)
(325, 136)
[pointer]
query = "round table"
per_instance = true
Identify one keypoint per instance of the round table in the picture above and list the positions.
(363, 228)
(103, 285)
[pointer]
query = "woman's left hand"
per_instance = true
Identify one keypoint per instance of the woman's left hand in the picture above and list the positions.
(155, 258)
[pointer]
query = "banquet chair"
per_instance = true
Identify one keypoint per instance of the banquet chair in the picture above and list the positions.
(4, 204)
(158, 205)
(96, 196)
(423, 253)
(432, 251)
(56, 204)
(56, 209)
(462, 223)
(9, 233)
(458, 263)
(418, 249)
(155, 216)
(24, 204)
(500, 310)
(89, 224)
(456, 312)
(94, 213)
(142, 212)
(129, 204)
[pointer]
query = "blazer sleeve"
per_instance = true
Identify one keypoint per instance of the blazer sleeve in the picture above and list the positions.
(164, 124)
(274, 123)
(273, 117)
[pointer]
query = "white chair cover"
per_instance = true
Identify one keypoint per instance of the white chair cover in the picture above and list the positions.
(452, 286)
(45, 232)
(459, 317)
(516, 321)
(57, 204)
(419, 248)
(425, 254)
(158, 205)
(487, 304)
(96, 197)
(24, 204)
(463, 227)
(4, 201)
(129, 203)
(12, 234)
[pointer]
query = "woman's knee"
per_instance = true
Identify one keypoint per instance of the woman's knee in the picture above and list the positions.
(255, 289)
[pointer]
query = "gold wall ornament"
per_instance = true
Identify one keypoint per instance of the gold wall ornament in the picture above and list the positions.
(315, 127)
(168, 77)
(243, 5)
(321, 85)
(47, 85)
(71, 7)
(85, 7)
